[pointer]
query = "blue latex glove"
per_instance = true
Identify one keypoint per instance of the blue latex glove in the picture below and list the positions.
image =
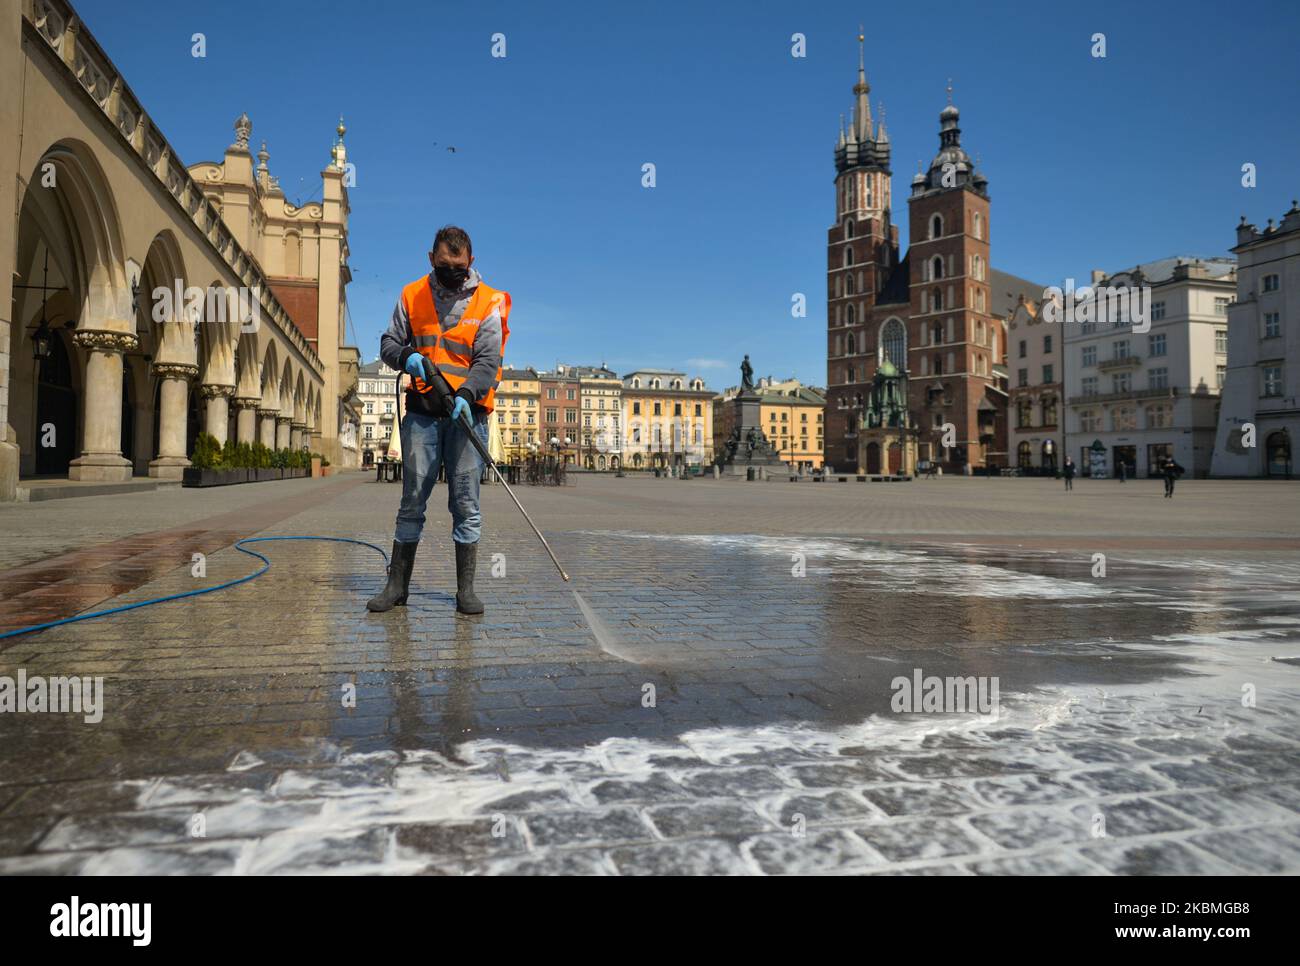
(415, 365)
(459, 408)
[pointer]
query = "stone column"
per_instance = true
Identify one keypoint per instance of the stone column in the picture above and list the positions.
(282, 432)
(101, 457)
(246, 419)
(173, 403)
(297, 434)
(216, 418)
(266, 428)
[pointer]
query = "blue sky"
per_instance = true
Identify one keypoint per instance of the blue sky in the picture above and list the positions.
(1091, 163)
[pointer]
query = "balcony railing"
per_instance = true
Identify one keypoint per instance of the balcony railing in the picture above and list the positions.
(1104, 397)
(1119, 362)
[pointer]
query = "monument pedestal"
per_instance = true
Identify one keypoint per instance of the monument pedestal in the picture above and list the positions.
(747, 446)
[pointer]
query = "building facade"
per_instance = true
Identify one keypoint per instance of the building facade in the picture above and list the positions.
(930, 313)
(102, 376)
(517, 413)
(601, 392)
(1035, 403)
(1136, 397)
(793, 417)
(561, 404)
(1262, 387)
(377, 395)
(668, 420)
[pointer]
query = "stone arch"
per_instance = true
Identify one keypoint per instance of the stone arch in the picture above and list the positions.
(68, 221)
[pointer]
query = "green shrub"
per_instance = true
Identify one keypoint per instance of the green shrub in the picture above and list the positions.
(207, 452)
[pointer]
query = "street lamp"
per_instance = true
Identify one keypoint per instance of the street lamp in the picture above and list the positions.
(41, 341)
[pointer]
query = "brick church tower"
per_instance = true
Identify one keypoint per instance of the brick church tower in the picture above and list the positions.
(954, 341)
(862, 254)
(928, 313)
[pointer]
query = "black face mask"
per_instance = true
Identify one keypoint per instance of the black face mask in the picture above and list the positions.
(450, 277)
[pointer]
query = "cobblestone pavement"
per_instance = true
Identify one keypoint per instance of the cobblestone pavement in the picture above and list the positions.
(731, 713)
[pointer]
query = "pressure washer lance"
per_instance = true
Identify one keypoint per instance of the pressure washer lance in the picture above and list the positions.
(440, 386)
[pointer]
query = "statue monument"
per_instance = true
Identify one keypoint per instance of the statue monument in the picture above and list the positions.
(747, 446)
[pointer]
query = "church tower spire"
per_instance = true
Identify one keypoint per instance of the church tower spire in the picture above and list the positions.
(862, 91)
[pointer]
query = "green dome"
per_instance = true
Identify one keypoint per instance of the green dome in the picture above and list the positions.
(887, 369)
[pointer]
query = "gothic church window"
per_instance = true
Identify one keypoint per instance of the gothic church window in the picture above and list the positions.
(893, 343)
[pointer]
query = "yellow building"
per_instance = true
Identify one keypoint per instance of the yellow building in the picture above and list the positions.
(793, 417)
(668, 420)
(516, 413)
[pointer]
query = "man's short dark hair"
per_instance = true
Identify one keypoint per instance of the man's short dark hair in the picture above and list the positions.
(456, 239)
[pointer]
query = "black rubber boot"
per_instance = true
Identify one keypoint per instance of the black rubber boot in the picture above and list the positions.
(467, 601)
(399, 578)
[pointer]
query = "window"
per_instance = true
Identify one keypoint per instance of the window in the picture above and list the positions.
(550, 393)
(699, 409)
(848, 256)
(936, 301)
(1089, 356)
(1121, 382)
(1160, 417)
(893, 343)
(571, 416)
(1158, 378)
(1124, 418)
(370, 408)
(1047, 343)
(1024, 348)
(1272, 325)
(1088, 385)
(677, 409)
(979, 225)
(1049, 411)
(550, 414)
(1089, 421)
(1156, 344)
(658, 409)
(1024, 414)
(1157, 311)
(570, 396)
(388, 408)
(1221, 306)
(370, 432)
(1272, 380)
(1022, 378)
(936, 227)
(936, 267)
(1048, 373)
(1272, 283)
(1221, 341)
(1119, 350)
(1220, 372)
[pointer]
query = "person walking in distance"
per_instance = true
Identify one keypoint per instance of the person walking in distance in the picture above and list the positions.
(1068, 472)
(450, 323)
(1170, 471)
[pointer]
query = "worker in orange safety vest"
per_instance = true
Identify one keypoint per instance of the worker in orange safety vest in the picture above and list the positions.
(455, 321)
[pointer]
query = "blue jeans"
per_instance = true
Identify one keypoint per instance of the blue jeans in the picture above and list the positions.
(427, 445)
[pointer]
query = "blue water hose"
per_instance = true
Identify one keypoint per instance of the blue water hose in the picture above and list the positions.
(239, 545)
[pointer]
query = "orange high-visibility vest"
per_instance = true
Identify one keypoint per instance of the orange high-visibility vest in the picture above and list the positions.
(452, 351)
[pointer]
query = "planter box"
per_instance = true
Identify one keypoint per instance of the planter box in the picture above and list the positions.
(264, 475)
(196, 477)
(327, 471)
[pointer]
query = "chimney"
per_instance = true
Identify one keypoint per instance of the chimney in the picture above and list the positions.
(1097, 276)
